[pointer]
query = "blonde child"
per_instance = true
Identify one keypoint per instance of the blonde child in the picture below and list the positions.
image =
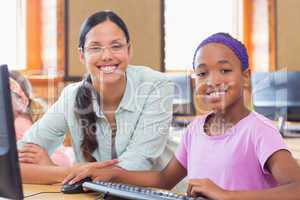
(28, 110)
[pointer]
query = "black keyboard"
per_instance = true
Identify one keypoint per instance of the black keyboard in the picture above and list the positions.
(135, 192)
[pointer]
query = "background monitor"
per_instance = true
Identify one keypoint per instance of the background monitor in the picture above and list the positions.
(276, 95)
(263, 94)
(183, 104)
(287, 93)
(10, 180)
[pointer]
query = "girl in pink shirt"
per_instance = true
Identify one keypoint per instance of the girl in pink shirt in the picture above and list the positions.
(230, 153)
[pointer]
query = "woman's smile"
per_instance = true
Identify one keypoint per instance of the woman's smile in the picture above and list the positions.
(107, 69)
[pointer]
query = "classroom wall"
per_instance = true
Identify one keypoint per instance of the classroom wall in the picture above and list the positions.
(143, 18)
(288, 34)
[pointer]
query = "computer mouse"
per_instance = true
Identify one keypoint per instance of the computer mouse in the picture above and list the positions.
(75, 188)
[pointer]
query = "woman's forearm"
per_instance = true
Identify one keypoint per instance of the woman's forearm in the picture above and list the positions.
(41, 174)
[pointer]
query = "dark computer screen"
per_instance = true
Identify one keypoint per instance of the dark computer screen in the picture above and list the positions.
(183, 103)
(10, 180)
(277, 94)
(287, 93)
(263, 94)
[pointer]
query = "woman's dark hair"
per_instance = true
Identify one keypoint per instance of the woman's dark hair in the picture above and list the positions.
(86, 119)
(83, 102)
(98, 18)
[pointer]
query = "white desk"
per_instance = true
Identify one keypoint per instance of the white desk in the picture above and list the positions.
(30, 189)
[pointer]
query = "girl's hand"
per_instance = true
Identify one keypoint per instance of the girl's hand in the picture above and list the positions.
(207, 188)
(81, 171)
(34, 154)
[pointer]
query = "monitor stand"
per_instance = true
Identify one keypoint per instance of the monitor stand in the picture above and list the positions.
(287, 129)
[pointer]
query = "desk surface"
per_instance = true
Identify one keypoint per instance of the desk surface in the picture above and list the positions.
(52, 192)
(30, 189)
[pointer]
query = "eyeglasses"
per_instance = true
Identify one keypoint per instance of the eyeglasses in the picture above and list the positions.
(98, 50)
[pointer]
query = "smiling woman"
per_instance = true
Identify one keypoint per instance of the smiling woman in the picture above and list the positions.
(118, 111)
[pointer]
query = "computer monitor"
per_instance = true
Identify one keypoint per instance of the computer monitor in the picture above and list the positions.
(287, 93)
(10, 180)
(263, 94)
(276, 95)
(183, 104)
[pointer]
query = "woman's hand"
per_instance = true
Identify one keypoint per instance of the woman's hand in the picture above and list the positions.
(81, 171)
(34, 154)
(207, 188)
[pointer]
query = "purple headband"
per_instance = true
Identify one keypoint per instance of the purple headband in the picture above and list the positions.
(236, 46)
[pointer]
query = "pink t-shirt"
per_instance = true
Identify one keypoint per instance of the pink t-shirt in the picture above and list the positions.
(62, 156)
(22, 124)
(234, 160)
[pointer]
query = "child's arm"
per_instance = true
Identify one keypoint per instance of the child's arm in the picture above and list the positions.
(282, 166)
(167, 178)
